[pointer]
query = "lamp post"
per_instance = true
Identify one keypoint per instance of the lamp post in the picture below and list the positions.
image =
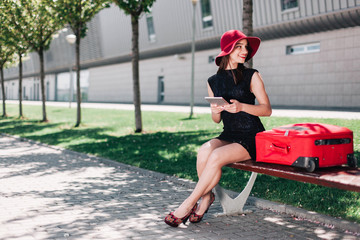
(194, 2)
(71, 38)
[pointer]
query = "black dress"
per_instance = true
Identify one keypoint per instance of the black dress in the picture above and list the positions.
(239, 127)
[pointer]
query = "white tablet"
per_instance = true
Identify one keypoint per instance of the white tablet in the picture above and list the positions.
(220, 101)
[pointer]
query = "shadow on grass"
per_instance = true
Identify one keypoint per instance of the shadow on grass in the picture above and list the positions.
(16, 126)
(51, 133)
(188, 118)
(174, 153)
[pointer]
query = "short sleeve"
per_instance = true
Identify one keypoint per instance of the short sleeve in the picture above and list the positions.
(248, 74)
(211, 82)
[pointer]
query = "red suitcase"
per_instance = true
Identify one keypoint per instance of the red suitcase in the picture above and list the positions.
(306, 145)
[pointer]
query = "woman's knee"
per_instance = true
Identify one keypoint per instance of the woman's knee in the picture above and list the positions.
(214, 159)
(205, 150)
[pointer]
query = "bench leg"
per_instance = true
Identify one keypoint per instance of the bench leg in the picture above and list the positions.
(236, 205)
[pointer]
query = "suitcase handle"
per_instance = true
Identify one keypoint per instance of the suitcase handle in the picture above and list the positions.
(281, 149)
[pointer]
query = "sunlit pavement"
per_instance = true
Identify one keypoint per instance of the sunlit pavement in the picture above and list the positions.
(51, 193)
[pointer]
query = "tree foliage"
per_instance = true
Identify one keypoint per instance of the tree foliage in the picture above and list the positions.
(19, 44)
(76, 14)
(134, 7)
(36, 22)
(7, 50)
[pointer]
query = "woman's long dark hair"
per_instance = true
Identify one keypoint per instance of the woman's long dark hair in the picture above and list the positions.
(238, 72)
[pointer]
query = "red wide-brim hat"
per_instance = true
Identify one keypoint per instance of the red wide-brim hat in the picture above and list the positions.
(230, 38)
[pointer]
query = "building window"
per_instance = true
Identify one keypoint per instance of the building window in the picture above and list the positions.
(288, 4)
(65, 91)
(161, 89)
(150, 27)
(303, 48)
(211, 59)
(24, 93)
(207, 19)
(47, 91)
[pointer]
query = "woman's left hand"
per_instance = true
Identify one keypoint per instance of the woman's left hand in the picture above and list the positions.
(234, 106)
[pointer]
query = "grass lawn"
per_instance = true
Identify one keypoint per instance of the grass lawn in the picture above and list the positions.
(169, 145)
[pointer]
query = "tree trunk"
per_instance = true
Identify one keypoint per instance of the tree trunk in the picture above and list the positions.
(135, 70)
(42, 80)
(3, 90)
(78, 89)
(20, 86)
(248, 21)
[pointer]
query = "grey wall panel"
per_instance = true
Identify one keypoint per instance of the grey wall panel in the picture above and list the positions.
(328, 5)
(336, 4)
(109, 36)
(315, 6)
(172, 23)
(322, 4)
(228, 20)
(110, 84)
(267, 11)
(277, 10)
(90, 47)
(256, 18)
(302, 8)
(344, 4)
(226, 15)
(114, 32)
(351, 3)
(261, 11)
(315, 79)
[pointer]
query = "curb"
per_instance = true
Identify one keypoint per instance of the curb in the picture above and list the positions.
(301, 214)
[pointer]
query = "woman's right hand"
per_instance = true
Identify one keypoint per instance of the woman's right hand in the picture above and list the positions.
(216, 109)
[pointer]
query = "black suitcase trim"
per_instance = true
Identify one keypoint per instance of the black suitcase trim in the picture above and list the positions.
(334, 141)
(351, 161)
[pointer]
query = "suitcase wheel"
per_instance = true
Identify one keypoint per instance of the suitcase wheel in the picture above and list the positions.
(351, 160)
(309, 163)
(310, 166)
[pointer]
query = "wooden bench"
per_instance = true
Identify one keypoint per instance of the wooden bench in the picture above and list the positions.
(337, 177)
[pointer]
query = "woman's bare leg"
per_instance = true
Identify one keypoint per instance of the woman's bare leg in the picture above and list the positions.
(211, 173)
(202, 158)
(205, 151)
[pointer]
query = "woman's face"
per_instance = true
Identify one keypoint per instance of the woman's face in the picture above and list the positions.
(239, 53)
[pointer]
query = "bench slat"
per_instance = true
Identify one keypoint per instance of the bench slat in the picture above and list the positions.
(337, 177)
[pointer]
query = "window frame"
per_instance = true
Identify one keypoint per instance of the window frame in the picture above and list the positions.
(306, 47)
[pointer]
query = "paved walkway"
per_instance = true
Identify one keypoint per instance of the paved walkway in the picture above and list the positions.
(51, 193)
(200, 109)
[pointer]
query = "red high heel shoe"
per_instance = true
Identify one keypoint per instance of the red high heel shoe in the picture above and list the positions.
(173, 221)
(195, 218)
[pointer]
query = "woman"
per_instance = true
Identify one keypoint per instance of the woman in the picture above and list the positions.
(239, 86)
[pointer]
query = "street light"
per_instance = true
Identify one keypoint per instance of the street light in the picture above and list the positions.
(71, 39)
(194, 2)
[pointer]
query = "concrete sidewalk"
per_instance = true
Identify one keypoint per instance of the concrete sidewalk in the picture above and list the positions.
(51, 193)
(199, 109)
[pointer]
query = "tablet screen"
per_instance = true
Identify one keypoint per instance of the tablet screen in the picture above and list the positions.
(220, 101)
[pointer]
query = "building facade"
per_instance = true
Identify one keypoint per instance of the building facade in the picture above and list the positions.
(309, 55)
